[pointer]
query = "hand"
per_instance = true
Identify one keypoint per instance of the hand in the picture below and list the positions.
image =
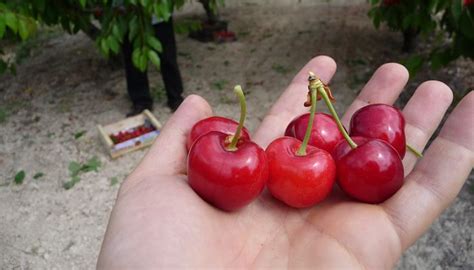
(159, 221)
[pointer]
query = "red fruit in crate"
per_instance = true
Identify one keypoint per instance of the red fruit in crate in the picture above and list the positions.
(372, 172)
(299, 181)
(215, 123)
(324, 133)
(380, 121)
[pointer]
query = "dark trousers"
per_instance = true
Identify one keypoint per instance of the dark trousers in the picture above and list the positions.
(137, 81)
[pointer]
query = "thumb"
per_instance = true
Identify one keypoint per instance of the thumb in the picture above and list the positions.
(167, 155)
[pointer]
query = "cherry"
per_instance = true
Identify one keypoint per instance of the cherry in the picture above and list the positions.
(372, 172)
(299, 181)
(227, 171)
(214, 123)
(300, 175)
(369, 170)
(380, 121)
(324, 133)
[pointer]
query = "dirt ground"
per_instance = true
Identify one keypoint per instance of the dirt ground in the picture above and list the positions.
(66, 88)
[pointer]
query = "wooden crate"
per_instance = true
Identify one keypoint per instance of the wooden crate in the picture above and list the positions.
(117, 150)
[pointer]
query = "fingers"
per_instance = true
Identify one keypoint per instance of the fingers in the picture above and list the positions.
(423, 113)
(384, 87)
(290, 103)
(437, 178)
(167, 156)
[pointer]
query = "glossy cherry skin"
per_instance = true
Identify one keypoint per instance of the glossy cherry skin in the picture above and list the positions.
(226, 179)
(380, 121)
(324, 134)
(299, 181)
(214, 123)
(370, 173)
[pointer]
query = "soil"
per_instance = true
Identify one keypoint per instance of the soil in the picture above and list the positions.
(65, 87)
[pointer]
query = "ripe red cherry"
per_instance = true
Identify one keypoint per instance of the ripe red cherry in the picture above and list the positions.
(299, 181)
(227, 179)
(301, 175)
(380, 121)
(324, 133)
(214, 123)
(372, 172)
(225, 170)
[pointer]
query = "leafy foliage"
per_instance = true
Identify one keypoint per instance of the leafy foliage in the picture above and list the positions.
(76, 168)
(19, 177)
(454, 19)
(109, 22)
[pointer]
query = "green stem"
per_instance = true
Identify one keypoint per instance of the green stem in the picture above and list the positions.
(341, 128)
(302, 150)
(414, 151)
(243, 113)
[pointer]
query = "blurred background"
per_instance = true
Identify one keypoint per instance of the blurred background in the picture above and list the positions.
(62, 73)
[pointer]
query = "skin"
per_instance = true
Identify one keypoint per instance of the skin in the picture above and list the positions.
(158, 221)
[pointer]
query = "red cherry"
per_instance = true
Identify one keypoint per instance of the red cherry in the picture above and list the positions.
(324, 134)
(227, 179)
(468, 2)
(299, 181)
(372, 172)
(380, 121)
(215, 123)
(227, 170)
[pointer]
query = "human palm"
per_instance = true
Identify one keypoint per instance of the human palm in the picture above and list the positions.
(159, 221)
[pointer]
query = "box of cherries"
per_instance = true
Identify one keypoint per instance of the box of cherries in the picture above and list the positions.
(130, 134)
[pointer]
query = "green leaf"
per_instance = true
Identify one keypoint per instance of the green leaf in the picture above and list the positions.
(11, 21)
(413, 64)
(83, 3)
(38, 175)
(79, 134)
(71, 183)
(2, 27)
(153, 56)
(154, 43)
(117, 33)
(74, 168)
(136, 57)
(92, 164)
(113, 44)
(142, 62)
(19, 177)
(23, 29)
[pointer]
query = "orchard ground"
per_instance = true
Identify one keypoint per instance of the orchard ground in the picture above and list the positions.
(65, 88)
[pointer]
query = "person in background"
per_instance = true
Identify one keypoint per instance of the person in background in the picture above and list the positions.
(137, 81)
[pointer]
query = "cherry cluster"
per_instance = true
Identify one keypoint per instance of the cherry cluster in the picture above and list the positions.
(229, 171)
(126, 135)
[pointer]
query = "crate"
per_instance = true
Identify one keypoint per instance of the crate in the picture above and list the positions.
(117, 150)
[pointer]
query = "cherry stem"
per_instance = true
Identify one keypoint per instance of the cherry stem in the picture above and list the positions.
(414, 151)
(302, 150)
(336, 118)
(243, 113)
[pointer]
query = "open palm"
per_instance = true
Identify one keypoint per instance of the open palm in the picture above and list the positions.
(159, 221)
